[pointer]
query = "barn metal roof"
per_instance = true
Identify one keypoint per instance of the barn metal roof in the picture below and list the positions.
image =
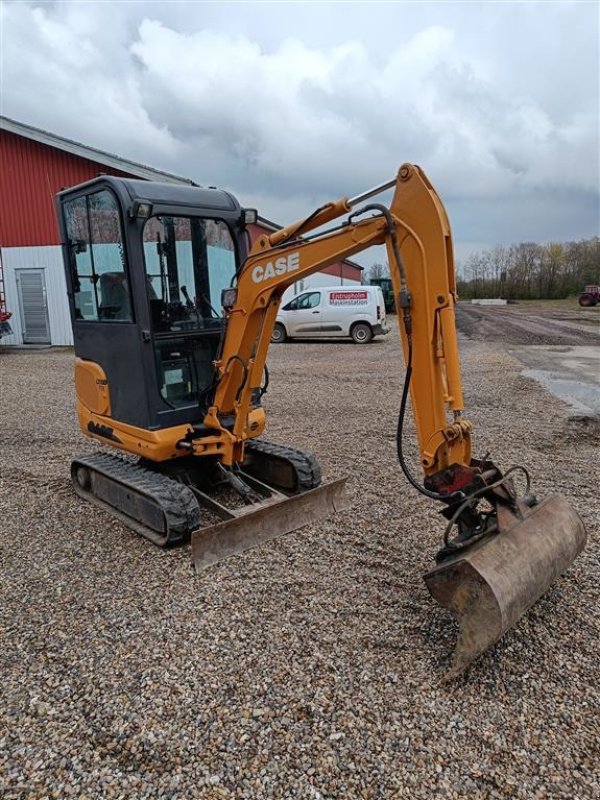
(91, 153)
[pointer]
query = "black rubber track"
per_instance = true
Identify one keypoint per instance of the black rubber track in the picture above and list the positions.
(177, 501)
(305, 465)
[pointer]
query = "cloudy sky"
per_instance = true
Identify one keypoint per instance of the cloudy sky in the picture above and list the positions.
(292, 104)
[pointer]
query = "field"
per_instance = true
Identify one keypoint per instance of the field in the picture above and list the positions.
(310, 667)
(532, 322)
(568, 304)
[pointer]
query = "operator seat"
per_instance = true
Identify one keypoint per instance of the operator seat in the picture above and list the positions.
(114, 297)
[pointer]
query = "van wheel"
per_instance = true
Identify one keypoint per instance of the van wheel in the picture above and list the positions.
(361, 333)
(279, 335)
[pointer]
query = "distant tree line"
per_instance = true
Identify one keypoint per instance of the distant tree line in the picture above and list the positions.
(530, 271)
(526, 271)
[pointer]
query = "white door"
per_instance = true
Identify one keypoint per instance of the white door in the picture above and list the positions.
(31, 289)
(304, 315)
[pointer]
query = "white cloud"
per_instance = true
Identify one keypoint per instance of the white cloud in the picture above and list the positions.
(494, 100)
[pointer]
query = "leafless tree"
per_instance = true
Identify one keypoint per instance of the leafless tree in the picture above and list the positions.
(378, 270)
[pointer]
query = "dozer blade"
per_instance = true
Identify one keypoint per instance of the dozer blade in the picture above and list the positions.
(494, 582)
(266, 522)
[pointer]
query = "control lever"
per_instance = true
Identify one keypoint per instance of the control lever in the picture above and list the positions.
(188, 299)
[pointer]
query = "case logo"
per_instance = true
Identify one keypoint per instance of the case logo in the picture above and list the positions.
(278, 267)
(102, 430)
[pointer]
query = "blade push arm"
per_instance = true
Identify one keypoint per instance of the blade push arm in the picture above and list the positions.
(416, 233)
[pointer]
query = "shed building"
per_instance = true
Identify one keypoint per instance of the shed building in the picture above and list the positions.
(34, 166)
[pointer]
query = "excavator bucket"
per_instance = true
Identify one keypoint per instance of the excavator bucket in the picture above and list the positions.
(493, 583)
(266, 520)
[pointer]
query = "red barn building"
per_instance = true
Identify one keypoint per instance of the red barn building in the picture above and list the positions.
(34, 165)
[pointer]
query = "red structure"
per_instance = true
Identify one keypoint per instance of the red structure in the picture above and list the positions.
(35, 165)
(32, 173)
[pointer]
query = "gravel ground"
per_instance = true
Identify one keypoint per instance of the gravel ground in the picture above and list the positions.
(308, 668)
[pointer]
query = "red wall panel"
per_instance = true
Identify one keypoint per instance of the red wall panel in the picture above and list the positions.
(30, 175)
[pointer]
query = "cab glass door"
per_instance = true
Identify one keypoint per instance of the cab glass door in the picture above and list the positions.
(188, 262)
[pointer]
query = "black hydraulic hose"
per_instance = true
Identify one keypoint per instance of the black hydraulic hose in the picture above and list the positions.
(265, 385)
(400, 431)
(478, 493)
(244, 375)
(385, 212)
(405, 302)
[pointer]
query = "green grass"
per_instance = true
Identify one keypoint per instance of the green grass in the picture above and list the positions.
(562, 304)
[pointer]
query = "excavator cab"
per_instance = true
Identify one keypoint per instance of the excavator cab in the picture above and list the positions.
(147, 263)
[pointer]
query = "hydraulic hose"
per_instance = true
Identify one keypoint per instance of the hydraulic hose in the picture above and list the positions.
(265, 385)
(478, 493)
(400, 435)
(404, 302)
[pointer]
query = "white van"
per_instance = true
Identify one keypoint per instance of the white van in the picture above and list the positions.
(328, 312)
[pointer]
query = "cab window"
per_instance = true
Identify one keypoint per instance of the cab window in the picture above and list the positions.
(98, 274)
(188, 261)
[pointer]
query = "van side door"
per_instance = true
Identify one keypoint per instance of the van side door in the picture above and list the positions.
(346, 306)
(302, 316)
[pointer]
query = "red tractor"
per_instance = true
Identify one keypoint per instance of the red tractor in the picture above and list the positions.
(590, 295)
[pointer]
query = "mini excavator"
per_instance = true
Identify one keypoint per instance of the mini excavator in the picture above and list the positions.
(172, 316)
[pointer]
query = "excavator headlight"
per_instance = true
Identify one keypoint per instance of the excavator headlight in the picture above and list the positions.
(228, 298)
(250, 216)
(140, 209)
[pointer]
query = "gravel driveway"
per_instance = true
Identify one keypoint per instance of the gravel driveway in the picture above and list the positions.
(308, 668)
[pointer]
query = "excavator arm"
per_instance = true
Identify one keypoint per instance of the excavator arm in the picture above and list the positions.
(416, 233)
(509, 548)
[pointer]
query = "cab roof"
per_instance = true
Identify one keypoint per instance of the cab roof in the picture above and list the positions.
(169, 195)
